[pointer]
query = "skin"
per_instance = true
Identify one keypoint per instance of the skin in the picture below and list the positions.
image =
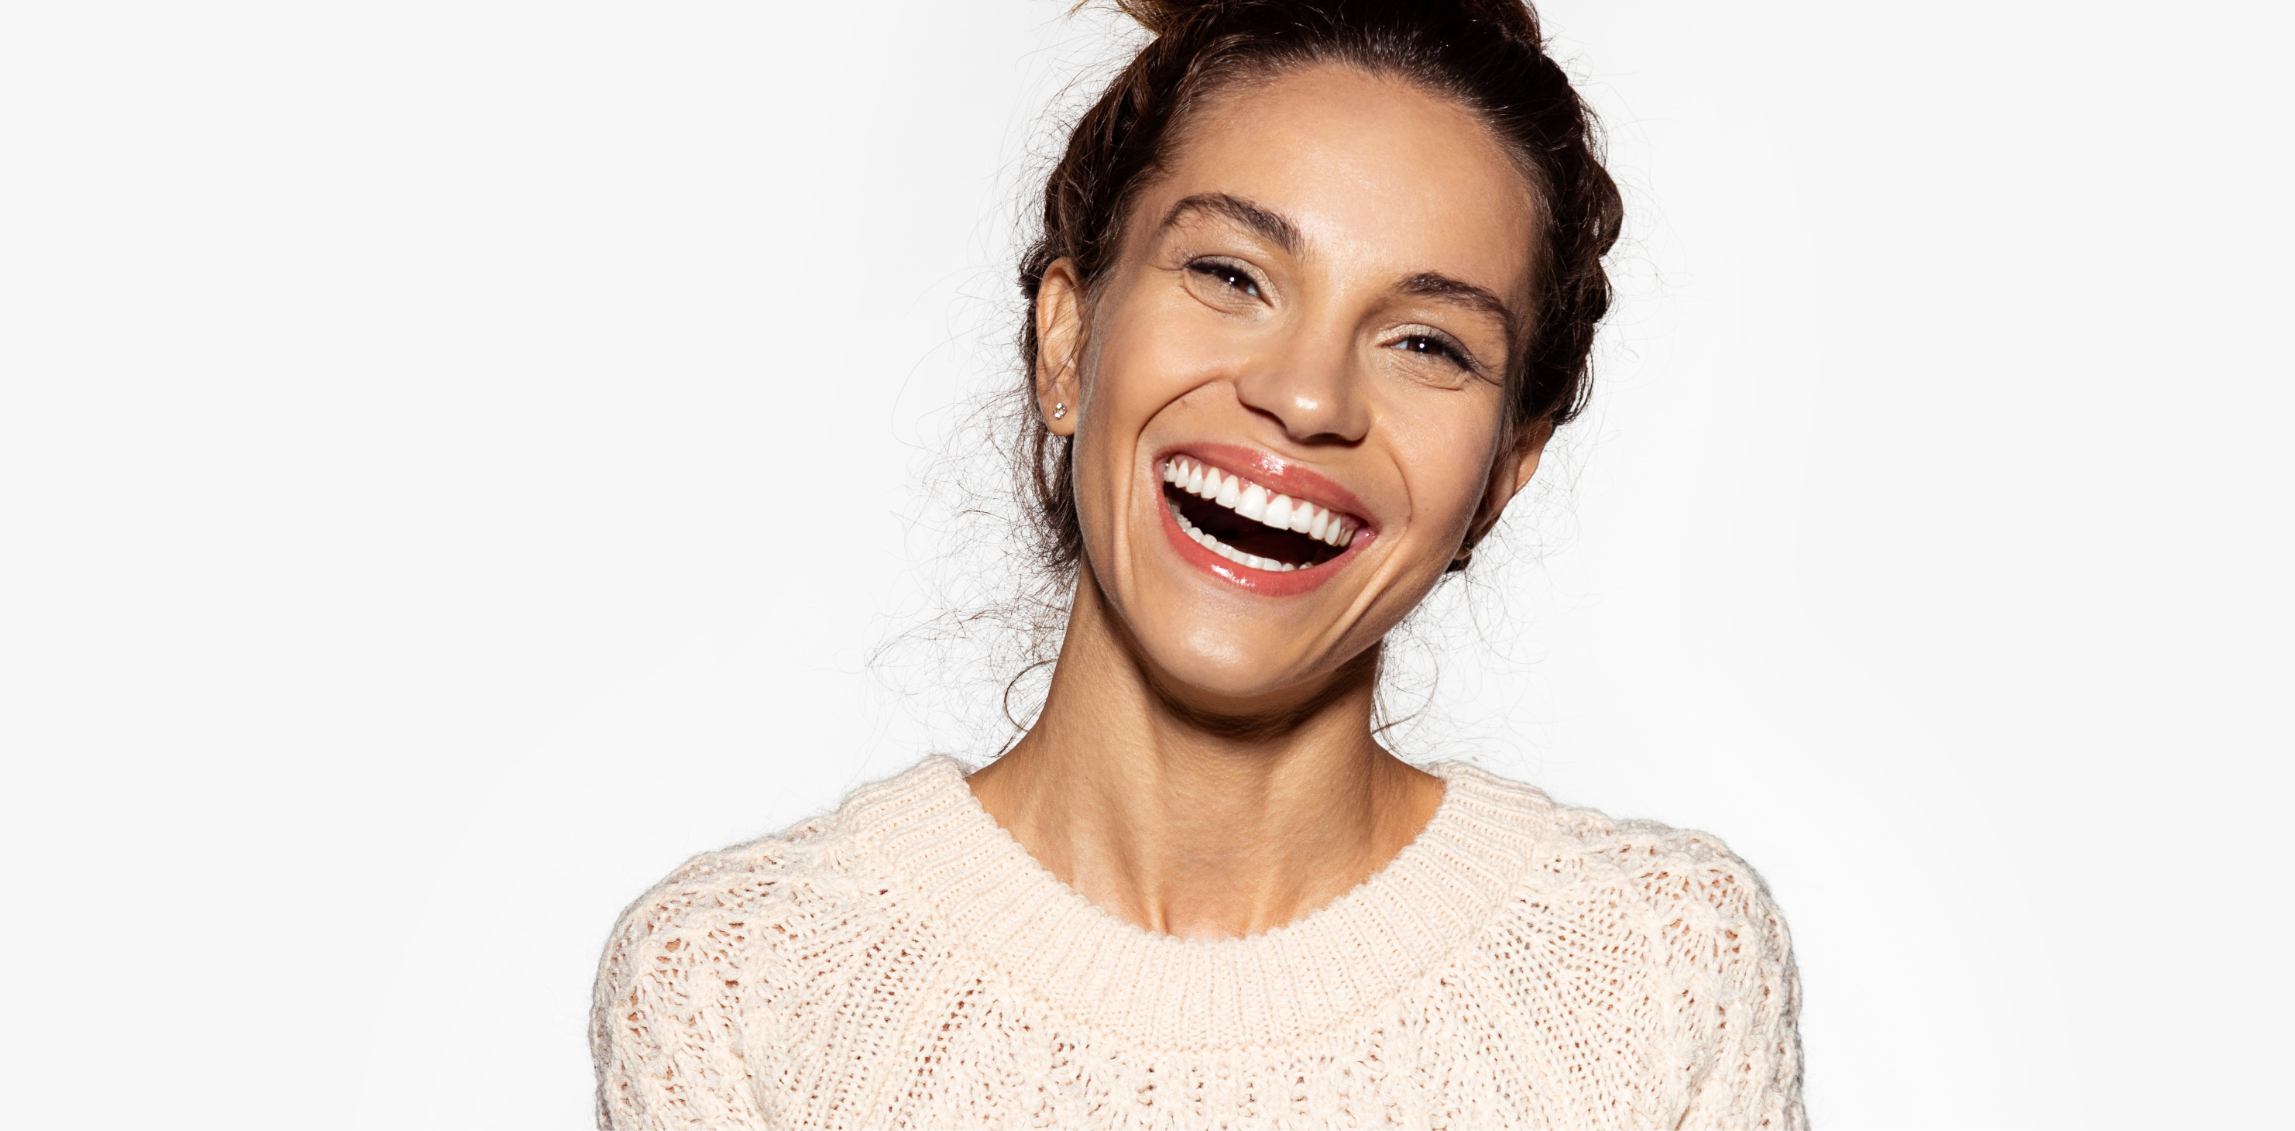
(1204, 764)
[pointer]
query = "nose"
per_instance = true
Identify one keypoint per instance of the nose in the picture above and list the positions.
(1310, 388)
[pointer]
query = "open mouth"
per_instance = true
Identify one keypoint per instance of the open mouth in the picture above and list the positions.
(1250, 525)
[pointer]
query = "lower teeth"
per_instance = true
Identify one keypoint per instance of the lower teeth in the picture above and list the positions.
(1226, 551)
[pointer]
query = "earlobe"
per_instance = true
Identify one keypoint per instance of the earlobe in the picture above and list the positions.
(1059, 332)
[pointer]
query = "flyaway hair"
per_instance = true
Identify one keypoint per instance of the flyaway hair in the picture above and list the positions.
(1488, 56)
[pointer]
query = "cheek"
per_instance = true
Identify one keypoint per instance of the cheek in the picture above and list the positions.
(1445, 453)
(1138, 367)
(1132, 373)
(1147, 355)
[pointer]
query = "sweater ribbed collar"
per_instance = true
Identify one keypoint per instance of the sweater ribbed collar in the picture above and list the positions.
(1276, 987)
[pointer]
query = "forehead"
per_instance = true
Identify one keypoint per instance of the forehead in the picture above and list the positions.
(1378, 176)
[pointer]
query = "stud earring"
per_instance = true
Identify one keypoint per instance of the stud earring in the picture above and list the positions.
(1059, 409)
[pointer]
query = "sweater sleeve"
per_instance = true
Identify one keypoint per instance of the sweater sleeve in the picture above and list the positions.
(668, 1013)
(1744, 995)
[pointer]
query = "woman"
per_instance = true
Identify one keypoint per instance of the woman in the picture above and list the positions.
(1316, 283)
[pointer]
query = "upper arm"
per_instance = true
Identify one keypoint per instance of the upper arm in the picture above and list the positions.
(667, 1021)
(1740, 1006)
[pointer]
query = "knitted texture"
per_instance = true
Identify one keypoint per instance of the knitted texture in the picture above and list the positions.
(903, 962)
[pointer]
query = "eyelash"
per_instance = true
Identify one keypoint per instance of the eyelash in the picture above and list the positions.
(1443, 346)
(1229, 275)
(1226, 274)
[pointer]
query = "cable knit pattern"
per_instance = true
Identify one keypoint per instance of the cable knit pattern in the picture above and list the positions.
(903, 962)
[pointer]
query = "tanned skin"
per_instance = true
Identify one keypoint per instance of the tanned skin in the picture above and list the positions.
(1333, 272)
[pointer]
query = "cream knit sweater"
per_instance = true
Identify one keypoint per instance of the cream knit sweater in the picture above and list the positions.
(904, 962)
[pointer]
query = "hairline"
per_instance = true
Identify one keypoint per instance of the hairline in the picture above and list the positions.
(1214, 87)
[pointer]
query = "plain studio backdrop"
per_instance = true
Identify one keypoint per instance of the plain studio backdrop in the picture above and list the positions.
(457, 461)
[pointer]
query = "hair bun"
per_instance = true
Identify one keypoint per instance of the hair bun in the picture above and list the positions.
(1483, 55)
(1160, 16)
(1514, 17)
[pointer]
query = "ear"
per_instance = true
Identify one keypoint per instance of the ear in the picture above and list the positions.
(1059, 345)
(1509, 474)
(1529, 447)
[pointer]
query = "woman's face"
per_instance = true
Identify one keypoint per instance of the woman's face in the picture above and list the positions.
(1286, 395)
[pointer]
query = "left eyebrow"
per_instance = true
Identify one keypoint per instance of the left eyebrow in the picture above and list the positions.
(1443, 288)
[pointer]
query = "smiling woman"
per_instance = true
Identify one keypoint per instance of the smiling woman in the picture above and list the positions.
(1316, 283)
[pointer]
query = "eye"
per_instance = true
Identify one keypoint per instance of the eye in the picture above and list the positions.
(1427, 345)
(1227, 275)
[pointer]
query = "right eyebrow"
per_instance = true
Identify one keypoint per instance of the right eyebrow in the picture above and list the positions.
(1270, 226)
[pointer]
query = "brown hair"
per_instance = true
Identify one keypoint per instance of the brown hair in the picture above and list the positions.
(1487, 55)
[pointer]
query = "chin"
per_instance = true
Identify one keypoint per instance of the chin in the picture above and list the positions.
(1210, 670)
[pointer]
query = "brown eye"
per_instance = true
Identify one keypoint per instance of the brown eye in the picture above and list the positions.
(1226, 276)
(1433, 347)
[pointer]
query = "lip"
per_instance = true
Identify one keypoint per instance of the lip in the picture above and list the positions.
(1276, 473)
(1280, 475)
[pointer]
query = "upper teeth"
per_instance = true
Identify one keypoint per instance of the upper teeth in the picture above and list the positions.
(1258, 503)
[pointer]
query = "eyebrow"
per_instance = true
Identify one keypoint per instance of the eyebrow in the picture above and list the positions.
(1276, 230)
(1443, 288)
(1271, 227)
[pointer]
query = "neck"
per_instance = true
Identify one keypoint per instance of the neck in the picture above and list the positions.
(1201, 823)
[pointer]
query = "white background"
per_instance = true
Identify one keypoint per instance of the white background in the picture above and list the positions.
(456, 460)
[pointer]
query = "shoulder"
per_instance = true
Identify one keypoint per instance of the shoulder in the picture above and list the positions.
(1670, 939)
(717, 896)
(687, 1008)
(685, 972)
(740, 903)
(760, 883)
(1684, 886)
(731, 880)
(1681, 876)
